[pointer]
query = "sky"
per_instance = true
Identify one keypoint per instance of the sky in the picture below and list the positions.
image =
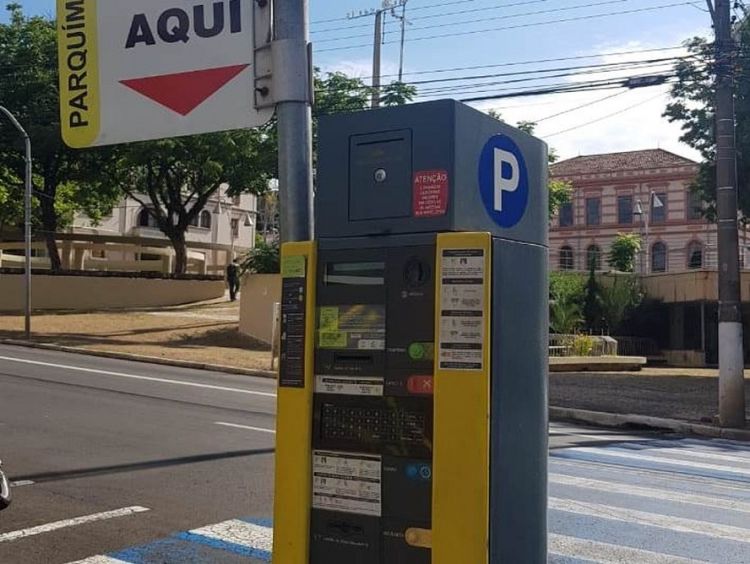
(501, 37)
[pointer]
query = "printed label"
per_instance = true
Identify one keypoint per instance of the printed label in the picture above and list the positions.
(355, 327)
(347, 482)
(349, 385)
(462, 309)
(293, 322)
(430, 193)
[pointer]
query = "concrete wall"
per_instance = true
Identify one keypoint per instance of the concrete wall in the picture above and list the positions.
(693, 286)
(95, 293)
(258, 294)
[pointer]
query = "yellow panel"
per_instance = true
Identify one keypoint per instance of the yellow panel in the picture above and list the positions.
(460, 487)
(79, 71)
(293, 486)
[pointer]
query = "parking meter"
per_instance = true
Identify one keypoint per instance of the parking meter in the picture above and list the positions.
(412, 407)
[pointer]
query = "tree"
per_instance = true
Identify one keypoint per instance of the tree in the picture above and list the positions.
(566, 298)
(173, 179)
(623, 251)
(619, 298)
(263, 259)
(28, 65)
(592, 302)
(692, 106)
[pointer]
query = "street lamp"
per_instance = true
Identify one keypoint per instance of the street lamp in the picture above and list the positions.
(653, 202)
(27, 222)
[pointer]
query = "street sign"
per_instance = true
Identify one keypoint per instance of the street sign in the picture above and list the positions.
(503, 181)
(149, 69)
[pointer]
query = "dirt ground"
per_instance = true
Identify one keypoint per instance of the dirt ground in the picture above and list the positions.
(206, 333)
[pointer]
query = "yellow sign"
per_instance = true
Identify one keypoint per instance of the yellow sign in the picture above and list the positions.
(79, 71)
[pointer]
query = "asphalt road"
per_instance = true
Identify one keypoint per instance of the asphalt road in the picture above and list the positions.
(127, 462)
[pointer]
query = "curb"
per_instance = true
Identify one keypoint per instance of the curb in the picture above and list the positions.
(622, 420)
(143, 358)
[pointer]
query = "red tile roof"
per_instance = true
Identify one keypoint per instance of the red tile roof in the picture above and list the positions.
(614, 162)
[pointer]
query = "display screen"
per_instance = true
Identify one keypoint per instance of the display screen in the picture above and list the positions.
(355, 274)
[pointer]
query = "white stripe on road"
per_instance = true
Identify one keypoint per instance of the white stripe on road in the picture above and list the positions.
(602, 552)
(652, 493)
(688, 452)
(240, 532)
(25, 533)
(136, 377)
(99, 560)
(21, 483)
(621, 453)
(248, 427)
(679, 524)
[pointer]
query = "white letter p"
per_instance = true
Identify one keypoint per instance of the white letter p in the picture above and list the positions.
(504, 184)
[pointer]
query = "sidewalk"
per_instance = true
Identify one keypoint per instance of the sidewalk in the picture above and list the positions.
(672, 393)
(203, 333)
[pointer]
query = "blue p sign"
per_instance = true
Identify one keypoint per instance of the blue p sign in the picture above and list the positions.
(503, 181)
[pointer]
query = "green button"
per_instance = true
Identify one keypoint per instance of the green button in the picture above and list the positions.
(416, 351)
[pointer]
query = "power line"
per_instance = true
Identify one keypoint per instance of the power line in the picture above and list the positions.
(452, 3)
(441, 15)
(519, 26)
(482, 20)
(597, 120)
(586, 105)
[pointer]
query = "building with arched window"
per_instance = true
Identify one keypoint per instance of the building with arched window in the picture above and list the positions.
(659, 257)
(593, 257)
(566, 258)
(643, 192)
(225, 227)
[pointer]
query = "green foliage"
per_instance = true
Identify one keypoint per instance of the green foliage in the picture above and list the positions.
(618, 299)
(692, 106)
(28, 57)
(560, 192)
(582, 345)
(263, 259)
(566, 298)
(592, 303)
(623, 251)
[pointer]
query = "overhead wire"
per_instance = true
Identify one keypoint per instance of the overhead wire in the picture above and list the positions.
(518, 26)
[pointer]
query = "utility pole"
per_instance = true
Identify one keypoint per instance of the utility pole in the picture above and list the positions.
(292, 74)
(402, 17)
(731, 357)
(377, 43)
(27, 222)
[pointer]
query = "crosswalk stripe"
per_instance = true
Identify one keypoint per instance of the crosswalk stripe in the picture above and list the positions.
(653, 493)
(239, 532)
(99, 560)
(645, 473)
(679, 524)
(684, 451)
(49, 527)
(605, 553)
(621, 453)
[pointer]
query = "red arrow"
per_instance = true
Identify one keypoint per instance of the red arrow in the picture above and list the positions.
(182, 92)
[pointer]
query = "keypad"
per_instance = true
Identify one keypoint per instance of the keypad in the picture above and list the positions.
(394, 426)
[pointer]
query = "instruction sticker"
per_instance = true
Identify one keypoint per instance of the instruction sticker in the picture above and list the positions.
(293, 323)
(347, 482)
(462, 321)
(354, 327)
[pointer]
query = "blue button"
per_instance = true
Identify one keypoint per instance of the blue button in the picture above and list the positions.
(412, 471)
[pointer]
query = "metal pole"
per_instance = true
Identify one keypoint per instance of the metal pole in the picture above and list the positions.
(27, 222)
(731, 357)
(403, 38)
(647, 215)
(376, 59)
(294, 128)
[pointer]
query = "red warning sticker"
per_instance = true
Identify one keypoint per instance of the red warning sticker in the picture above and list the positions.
(430, 193)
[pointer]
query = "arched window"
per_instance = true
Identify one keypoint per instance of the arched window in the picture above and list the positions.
(695, 255)
(566, 258)
(658, 257)
(206, 219)
(144, 218)
(593, 257)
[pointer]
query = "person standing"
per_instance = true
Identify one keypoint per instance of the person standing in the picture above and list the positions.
(233, 279)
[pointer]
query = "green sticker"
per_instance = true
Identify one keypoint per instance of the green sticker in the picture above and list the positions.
(293, 267)
(329, 319)
(332, 340)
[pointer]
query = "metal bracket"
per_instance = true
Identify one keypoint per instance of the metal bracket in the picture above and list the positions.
(262, 58)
